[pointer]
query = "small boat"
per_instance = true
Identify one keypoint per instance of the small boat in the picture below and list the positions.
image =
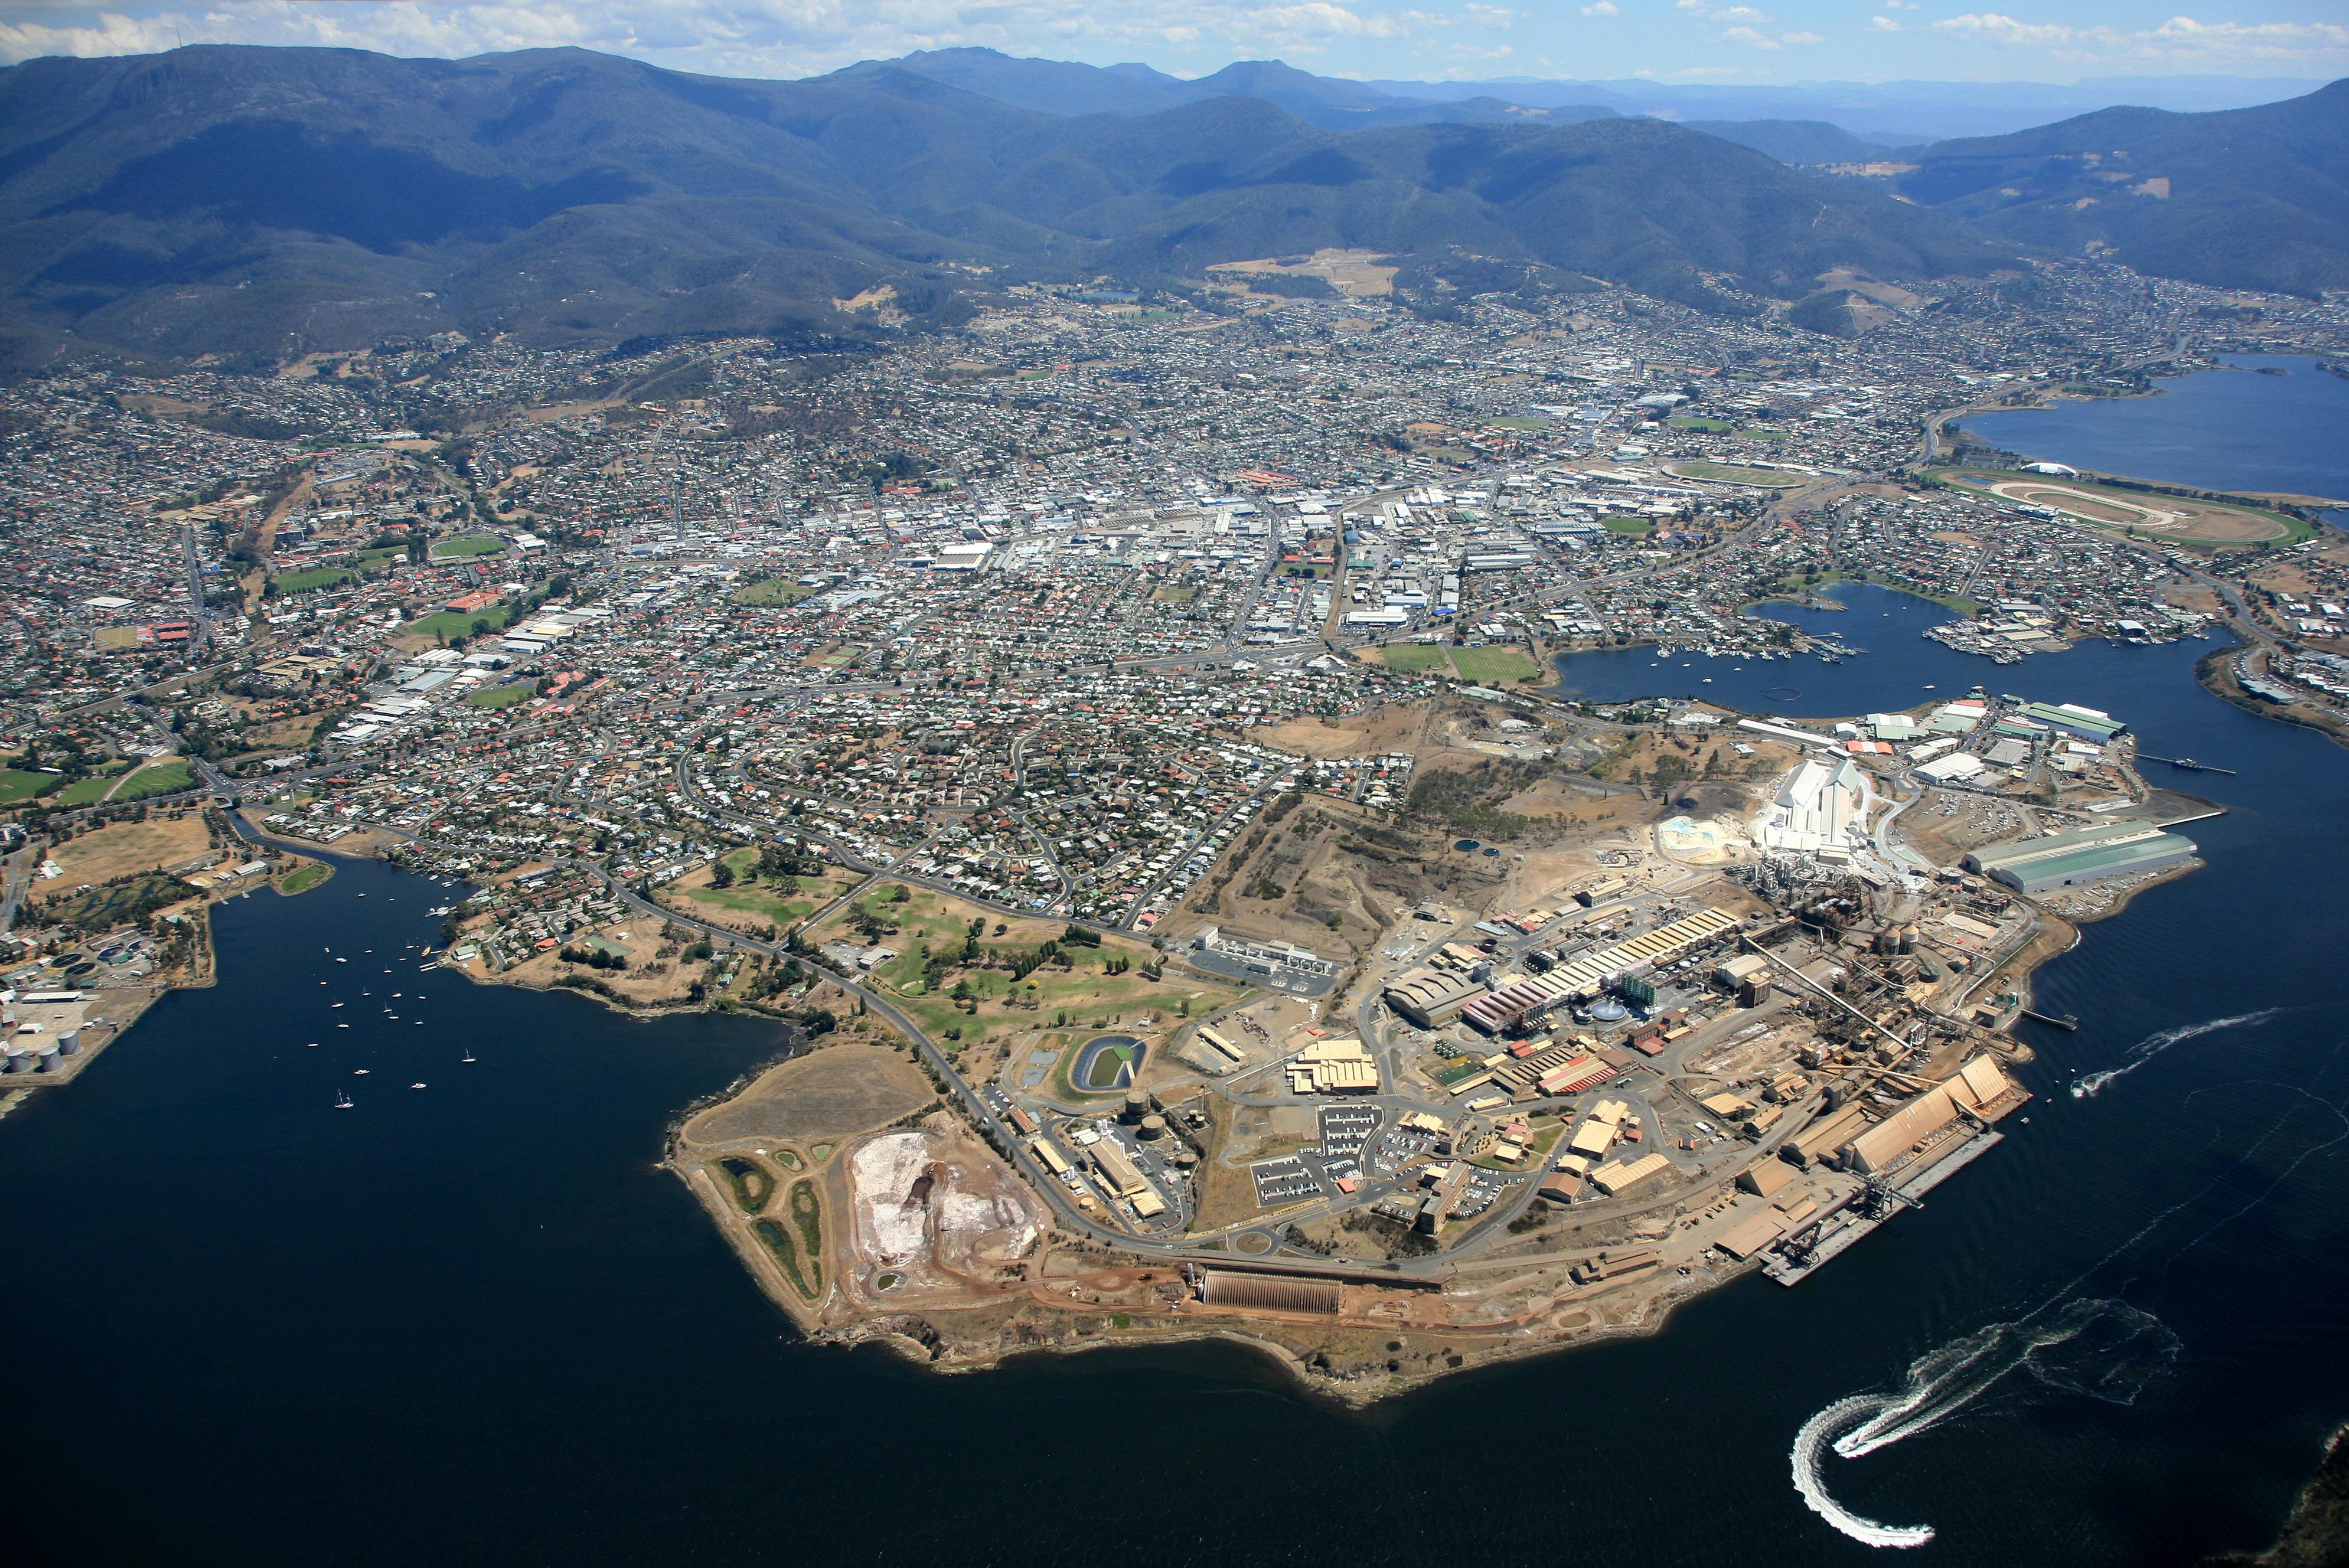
(332, 1004)
(358, 1072)
(342, 1026)
(342, 961)
(469, 1051)
(311, 1045)
(416, 1086)
(342, 1101)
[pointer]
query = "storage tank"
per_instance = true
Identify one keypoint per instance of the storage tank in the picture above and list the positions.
(1137, 1106)
(1153, 1126)
(46, 1059)
(20, 1060)
(69, 1042)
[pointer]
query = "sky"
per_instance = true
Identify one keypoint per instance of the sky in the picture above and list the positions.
(1688, 41)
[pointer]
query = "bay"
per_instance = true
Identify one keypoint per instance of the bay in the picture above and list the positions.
(2231, 428)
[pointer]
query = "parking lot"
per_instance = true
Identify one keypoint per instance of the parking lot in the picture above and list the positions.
(1288, 1179)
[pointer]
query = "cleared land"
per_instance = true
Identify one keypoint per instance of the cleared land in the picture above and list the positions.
(499, 696)
(834, 1093)
(122, 848)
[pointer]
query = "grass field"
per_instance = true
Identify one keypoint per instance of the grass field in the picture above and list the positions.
(1520, 422)
(1723, 427)
(772, 590)
(1413, 656)
(459, 623)
(767, 900)
(301, 878)
(1173, 595)
(1738, 474)
(316, 577)
(1495, 664)
(18, 785)
(1634, 527)
(1079, 998)
(471, 544)
(158, 777)
(500, 696)
(90, 791)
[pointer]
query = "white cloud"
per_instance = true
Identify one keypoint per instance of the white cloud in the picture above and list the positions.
(1751, 37)
(1800, 38)
(1883, 24)
(770, 37)
(2179, 38)
(1603, 8)
(1712, 12)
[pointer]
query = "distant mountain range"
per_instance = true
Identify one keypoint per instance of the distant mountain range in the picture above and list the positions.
(2249, 198)
(1873, 115)
(257, 201)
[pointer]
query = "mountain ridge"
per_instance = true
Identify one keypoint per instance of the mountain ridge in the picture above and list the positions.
(255, 202)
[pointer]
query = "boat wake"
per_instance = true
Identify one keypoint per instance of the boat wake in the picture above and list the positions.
(2106, 1350)
(2152, 1046)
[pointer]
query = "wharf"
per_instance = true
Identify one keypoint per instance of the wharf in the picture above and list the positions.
(1832, 1244)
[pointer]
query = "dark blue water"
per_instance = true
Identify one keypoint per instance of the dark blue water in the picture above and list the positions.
(2230, 429)
(1897, 666)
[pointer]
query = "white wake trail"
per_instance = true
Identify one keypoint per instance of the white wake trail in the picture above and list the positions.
(2105, 1349)
(1817, 1434)
(2152, 1046)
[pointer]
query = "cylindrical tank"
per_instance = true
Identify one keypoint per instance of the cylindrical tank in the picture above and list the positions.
(45, 1057)
(1153, 1126)
(1185, 1158)
(20, 1060)
(69, 1042)
(1137, 1106)
(1908, 939)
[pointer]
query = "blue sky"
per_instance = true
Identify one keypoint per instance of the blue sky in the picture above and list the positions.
(1723, 41)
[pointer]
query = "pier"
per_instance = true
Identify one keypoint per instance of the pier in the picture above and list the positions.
(2187, 763)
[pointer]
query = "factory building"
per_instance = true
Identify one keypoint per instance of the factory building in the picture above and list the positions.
(1579, 979)
(1117, 1168)
(1428, 998)
(2080, 855)
(1815, 808)
(2088, 723)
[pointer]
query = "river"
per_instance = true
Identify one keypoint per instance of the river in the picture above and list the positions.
(474, 1324)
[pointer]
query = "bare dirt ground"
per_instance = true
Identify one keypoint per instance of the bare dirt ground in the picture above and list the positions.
(159, 843)
(1351, 272)
(933, 1212)
(830, 1094)
(1578, 804)
(1943, 839)
(1382, 730)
